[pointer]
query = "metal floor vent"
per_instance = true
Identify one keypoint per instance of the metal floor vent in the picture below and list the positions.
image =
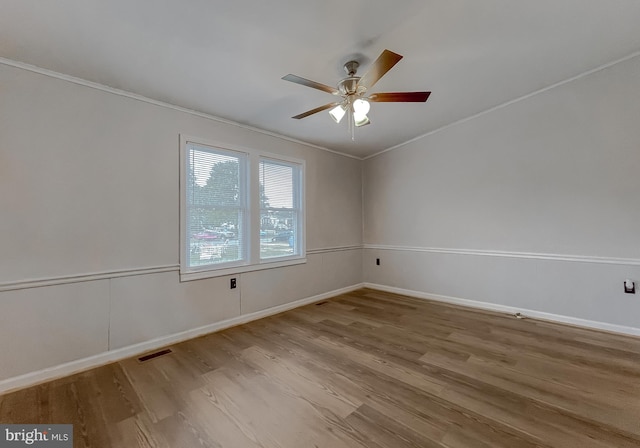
(154, 355)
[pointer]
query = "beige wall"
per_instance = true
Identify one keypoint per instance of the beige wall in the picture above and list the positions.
(535, 205)
(89, 199)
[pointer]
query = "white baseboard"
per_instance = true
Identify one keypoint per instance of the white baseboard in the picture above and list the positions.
(629, 331)
(70, 368)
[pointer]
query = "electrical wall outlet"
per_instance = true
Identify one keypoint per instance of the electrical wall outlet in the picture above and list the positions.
(233, 283)
(629, 287)
(377, 262)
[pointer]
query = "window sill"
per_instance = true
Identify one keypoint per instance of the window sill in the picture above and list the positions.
(210, 273)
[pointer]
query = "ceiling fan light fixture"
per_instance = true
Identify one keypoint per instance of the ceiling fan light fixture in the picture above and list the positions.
(337, 113)
(361, 107)
(360, 119)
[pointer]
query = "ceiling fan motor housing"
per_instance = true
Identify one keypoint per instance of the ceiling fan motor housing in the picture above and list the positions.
(349, 86)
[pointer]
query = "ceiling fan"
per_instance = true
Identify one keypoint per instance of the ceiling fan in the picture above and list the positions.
(353, 91)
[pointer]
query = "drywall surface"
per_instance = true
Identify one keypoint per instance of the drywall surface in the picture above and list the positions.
(577, 292)
(327, 271)
(89, 180)
(89, 197)
(535, 204)
(43, 327)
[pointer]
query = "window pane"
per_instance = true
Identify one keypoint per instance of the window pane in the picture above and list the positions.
(276, 185)
(215, 213)
(214, 236)
(277, 233)
(215, 178)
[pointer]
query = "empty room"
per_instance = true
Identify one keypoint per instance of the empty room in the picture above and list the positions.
(326, 224)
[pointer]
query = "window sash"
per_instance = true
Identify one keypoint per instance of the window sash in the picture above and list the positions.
(285, 241)
(211, 243)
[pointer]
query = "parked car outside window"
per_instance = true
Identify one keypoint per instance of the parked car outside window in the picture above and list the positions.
(282, 236)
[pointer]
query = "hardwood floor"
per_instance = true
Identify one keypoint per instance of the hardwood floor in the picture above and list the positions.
(365, 369)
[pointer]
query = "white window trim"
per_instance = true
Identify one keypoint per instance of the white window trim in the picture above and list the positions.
(252, 224)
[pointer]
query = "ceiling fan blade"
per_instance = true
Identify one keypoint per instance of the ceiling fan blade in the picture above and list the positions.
(315, 111)
(379, 68)
(312, 84)
(399, 97)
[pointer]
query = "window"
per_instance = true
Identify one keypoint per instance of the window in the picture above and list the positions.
(240, 210)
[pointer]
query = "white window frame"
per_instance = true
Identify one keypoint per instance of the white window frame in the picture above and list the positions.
(251, 181)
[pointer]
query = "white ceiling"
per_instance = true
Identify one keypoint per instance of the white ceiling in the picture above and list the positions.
(226, 58)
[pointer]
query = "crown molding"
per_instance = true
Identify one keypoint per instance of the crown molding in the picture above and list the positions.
(507, 103)
(144, 99)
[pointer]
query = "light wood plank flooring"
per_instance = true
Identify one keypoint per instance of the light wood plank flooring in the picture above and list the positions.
(365, 369)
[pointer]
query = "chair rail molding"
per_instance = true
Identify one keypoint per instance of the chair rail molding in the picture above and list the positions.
(507, 254)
